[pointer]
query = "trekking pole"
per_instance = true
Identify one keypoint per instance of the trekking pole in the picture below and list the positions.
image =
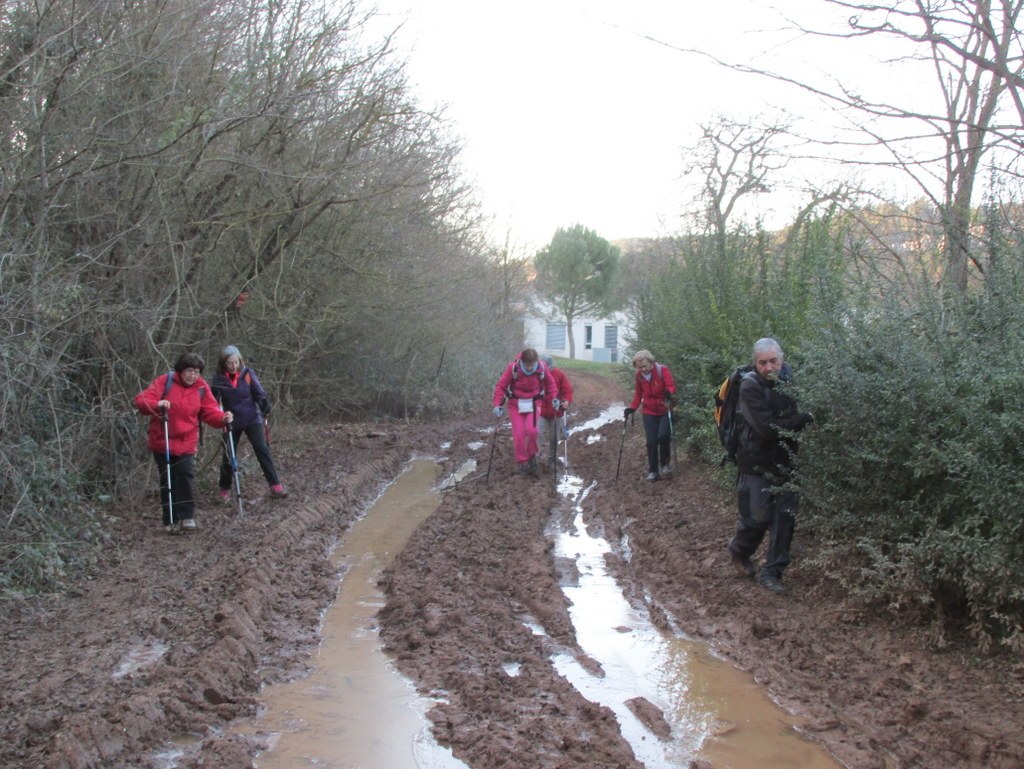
(565, 437)
(229, 437)
(494, 442)
(553, 446)
(234, 469)
(672, 442)
(167, 461)
(622, 442)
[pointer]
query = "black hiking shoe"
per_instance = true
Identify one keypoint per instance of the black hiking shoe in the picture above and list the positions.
(533, 470)
(172, 528)
(652, 477)
(741, 563)
(771, 582)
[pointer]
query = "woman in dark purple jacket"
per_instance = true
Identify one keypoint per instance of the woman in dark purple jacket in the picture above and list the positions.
(239, 391)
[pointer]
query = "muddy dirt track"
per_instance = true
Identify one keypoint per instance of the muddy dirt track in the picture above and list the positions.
(173, 637)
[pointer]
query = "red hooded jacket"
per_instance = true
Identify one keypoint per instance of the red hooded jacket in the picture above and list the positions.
(654, 391)
(564, 394)
(183, 416)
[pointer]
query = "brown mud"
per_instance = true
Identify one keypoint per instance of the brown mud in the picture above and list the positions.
(172, 637)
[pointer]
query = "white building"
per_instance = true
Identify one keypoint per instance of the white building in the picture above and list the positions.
(597, 339)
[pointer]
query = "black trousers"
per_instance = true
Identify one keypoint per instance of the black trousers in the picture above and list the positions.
(258, 438)
(178, 501)
(659, 441)
(764, 509)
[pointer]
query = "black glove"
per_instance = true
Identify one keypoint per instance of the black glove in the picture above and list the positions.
(628, 411)
(264, 405)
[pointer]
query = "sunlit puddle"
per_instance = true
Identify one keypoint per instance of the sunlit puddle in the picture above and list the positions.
(715, 711)
(354, 709)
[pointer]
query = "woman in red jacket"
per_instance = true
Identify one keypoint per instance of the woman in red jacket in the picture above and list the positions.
(523, 386)
(654, 388)
(176, 401)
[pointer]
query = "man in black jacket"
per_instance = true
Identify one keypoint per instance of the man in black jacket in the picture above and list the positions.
(768, 417)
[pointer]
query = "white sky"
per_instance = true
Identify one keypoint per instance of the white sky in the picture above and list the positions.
(569, 115)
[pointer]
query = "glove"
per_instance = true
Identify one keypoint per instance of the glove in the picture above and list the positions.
(628, 411)
(566, 404)
(265, 406)
(498, 411)
(556, 404)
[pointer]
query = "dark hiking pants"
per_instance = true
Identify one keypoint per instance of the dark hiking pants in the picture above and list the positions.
(764, 509)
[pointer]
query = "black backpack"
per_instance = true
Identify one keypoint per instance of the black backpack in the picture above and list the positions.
(726, 401)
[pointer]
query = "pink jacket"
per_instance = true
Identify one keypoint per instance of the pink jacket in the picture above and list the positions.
(515, 383)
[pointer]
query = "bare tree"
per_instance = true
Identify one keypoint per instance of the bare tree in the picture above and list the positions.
(733, 160)
(975, 51)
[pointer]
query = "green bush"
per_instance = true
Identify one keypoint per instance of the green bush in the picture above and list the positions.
(912, 475)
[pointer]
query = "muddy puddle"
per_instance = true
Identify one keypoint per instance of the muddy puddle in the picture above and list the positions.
(355, 710)
(711, 710)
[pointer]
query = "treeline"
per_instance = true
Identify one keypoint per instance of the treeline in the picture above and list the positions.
(178, 175)
(905, 323)
(911, 477)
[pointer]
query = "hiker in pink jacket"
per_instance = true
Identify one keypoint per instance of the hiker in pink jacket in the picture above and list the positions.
(524, 384)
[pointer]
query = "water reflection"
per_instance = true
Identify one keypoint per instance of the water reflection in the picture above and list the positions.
(354, 711)
(714, 711)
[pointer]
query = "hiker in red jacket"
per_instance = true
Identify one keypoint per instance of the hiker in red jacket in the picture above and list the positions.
(654, 388)
(523, 386)
(549, 415)
(177, 401)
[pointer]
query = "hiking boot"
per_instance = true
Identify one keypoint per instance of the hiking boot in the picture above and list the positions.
(533, 465)
(225, 496)
(522, 468)
(652, 476)
(172, 528)
(189, 524)
(665, 470)
(741, 563)
(278, 492)
(771, 582)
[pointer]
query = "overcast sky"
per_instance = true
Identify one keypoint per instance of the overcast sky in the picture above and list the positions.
(570, 114)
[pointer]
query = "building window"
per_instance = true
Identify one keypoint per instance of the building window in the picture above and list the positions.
(588, 337)
(554, 339)
(611, 336)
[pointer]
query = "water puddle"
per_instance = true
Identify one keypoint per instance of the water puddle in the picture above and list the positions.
(714, 711)
(354, 711)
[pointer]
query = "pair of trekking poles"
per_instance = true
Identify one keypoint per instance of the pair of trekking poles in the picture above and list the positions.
(672, 438)
(229, 439)
(554, 446)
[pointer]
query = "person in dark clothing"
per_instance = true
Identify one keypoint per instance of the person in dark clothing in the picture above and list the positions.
(238, 390)
(766, 418)
(176, 402)
(654, 388)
